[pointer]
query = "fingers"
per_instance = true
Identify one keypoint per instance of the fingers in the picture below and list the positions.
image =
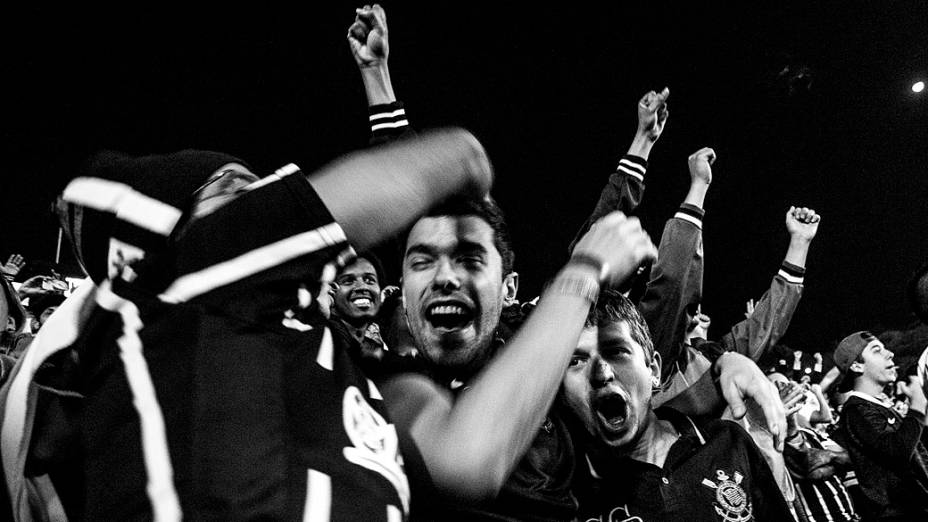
(656, 102)
(795, 398)
(375, 17)
(620, 242)
(804, 215)
(380, 16)
(735, 401)
(704, 154)
(357, 36)
(662, 114)
(774, 412)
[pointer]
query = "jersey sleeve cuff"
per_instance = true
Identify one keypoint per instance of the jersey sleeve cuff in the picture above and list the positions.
(387, 118)
(633, 166)
(691, 213)
(792, 273)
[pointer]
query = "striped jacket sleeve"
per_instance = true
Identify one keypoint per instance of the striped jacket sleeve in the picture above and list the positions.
(773, 312)
(278, 233)
(388, 122)
(675, 285)
(622, 192)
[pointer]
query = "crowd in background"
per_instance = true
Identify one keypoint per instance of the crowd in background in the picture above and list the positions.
(244, 346)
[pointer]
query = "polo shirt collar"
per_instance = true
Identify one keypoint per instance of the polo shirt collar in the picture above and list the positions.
(867, 397)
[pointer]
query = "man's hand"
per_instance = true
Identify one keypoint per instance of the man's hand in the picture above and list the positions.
(916, 394)
(653, 113)
(619, 243)
(700, 163)
(12, 267)
(749, 309)
(740, 379)
(793, 397)
(367, 37)
(802, 223)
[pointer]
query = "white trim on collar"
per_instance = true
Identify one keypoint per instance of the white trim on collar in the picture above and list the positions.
(868, 397)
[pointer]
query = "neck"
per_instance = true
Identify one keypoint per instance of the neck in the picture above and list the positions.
(357, 327)
(868, 386)
(654, 443)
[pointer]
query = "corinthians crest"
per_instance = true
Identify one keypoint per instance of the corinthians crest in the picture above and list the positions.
(731, 501)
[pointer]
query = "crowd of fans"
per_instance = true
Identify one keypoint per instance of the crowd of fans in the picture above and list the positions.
(291, 347)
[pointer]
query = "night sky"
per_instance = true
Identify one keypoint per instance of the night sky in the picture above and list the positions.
(551, 92)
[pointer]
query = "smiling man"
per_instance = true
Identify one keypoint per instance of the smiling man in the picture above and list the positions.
(474, 407)
(654, 464)
(887, 449)
(453, 312)
(356, 304)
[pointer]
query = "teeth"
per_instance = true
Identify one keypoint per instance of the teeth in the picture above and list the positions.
(448, 310)
(362, 301)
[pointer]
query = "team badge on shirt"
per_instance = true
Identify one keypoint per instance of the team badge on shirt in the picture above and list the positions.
(731, 501)
(375, 445)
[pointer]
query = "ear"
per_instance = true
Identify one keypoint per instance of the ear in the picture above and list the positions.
(510, 287)
(655, 370)
(857, 367)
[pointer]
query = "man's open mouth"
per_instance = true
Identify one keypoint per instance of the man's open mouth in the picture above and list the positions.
(449, 315)
(612, 410)
(362, 300)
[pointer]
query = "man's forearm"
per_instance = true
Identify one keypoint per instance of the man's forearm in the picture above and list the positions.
(797, 252)
(641, 146)
(471, 447)
(401, 181)
(697, 194)
(377, 85)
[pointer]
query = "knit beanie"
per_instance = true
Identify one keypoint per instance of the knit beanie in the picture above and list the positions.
(122, 208)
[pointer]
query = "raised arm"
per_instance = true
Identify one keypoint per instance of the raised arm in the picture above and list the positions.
(625, 188)
(472, 444)
(675, 288)
(369, 41)
(823, 414)
(774, 310)
(401, 181)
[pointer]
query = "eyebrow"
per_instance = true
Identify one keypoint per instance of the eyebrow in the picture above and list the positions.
(615, 343)
(461, 246)
(361, 274)
(419, 248)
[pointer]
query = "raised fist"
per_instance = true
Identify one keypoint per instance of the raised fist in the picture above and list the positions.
(367, 36)
(700, 163)
(802, 223)
(620, 243)
(653, 113)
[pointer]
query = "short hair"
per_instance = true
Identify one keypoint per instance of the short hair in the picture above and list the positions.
(613, 307)
(489, 211)
(370, 258)
(846, 379)
(916, 293)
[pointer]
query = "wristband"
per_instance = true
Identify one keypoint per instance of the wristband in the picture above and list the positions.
(585, 287)
(602, 269)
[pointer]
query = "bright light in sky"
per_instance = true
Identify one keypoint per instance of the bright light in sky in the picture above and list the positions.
(918, 86)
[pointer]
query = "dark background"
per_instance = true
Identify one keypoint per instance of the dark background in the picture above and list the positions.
(551, 92)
